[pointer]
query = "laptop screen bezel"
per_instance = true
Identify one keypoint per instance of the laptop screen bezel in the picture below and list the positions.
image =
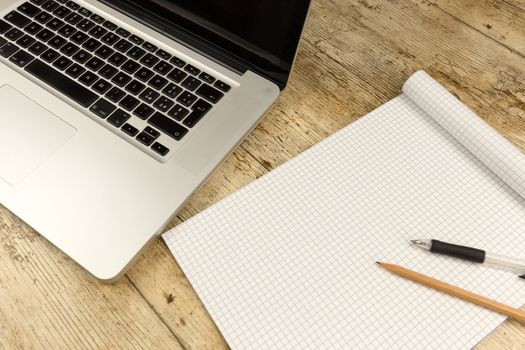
(212, 45)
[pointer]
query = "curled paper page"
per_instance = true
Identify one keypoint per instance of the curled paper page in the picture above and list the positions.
(491, 148)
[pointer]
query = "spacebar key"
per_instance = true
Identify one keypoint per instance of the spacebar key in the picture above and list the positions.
(62, 83)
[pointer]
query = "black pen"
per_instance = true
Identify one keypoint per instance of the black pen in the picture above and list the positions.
(472, 254)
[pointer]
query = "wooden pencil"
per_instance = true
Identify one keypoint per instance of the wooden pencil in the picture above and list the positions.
(455, 291)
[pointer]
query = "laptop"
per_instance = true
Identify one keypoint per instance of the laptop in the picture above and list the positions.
(114, 112)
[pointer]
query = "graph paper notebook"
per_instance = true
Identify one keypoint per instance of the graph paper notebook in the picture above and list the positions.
(288, 261)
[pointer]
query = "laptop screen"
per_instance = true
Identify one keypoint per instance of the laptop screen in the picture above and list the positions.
(264, 33)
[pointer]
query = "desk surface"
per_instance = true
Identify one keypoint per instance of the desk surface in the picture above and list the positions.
(356, 54)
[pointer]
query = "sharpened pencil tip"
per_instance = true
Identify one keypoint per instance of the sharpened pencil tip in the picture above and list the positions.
(522, 276)
(378, 263)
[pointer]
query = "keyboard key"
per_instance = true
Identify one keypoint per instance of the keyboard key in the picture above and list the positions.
(222, 86)
(136, 40)
(29, 9)
(55, 24)
(73, 5)
(123, 32)
(108, 71)
(177, 61)
(191, 83)
(118, 118)
(163, 67)
(149, 95)
(164, 55)
(95, 64)
(149, 47)
(102, 108)
(121, 79)
(43, 17)
(192, 70)
(25, 41)
(37, 48)
(158, 82)
(44, 35)
(21, 58)
(38, 2)
(209, 93)
(130, 67)
(75, 70)
(14, 34)
(186, 98)
(57, 42)
(129, 102)
(207, 78)
(177, 75)
(50, 5)
(97, 19)
(91, 44)
(178, 112)
(62, 12)
(145, 139)
(82, 56)
(149, 60)
(50, 55)
(143, 111)
(62, 63)
(129, 130)
(101, 86)
(79, 37)
(123, 45)
(199, 109)
(136, 53)
(135, 87)
(104, 51)
(73, 18)
(117, 59)
(88, 78)
(8, 49)
(85, 12)
(115, 94)
(172, 90)
(144, 74)
(152, 132)
(110, 38)
(62, 83)
(3, 41)
(69, 49)
(110, 25)
(163, 104)
(85, 25)
(67, 31)
(160, 149)
(168, 126)
(17, 19)
(98, 32)
(32, 28)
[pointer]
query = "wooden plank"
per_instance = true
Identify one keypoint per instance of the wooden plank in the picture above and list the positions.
(502, 21)
(49, 302)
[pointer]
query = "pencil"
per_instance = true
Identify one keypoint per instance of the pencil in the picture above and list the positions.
(455, 291)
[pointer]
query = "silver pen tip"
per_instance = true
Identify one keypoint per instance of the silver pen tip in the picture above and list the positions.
(417, 241)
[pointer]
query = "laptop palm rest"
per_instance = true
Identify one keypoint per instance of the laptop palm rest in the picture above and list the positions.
(29, 135)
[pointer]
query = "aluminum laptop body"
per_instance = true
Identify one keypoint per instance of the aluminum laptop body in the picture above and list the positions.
(95, 175)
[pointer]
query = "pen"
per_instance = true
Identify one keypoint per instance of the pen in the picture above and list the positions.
(472, 254)
(455, 291)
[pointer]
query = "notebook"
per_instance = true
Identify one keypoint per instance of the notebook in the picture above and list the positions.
(288, 261)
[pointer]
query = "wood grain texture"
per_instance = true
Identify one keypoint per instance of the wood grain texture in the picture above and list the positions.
(356, 54)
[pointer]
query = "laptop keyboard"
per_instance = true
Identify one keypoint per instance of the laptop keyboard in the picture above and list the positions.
(120, 77)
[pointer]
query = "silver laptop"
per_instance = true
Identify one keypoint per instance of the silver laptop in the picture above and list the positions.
(114, 112)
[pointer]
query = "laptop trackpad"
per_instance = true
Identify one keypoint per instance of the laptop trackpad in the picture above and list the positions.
(29, 135)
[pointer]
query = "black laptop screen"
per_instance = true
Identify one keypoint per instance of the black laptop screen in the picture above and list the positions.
(255, 30)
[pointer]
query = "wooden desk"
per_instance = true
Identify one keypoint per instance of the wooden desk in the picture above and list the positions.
(356, 54)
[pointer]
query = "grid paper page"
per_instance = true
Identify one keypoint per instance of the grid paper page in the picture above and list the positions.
(287, 262)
